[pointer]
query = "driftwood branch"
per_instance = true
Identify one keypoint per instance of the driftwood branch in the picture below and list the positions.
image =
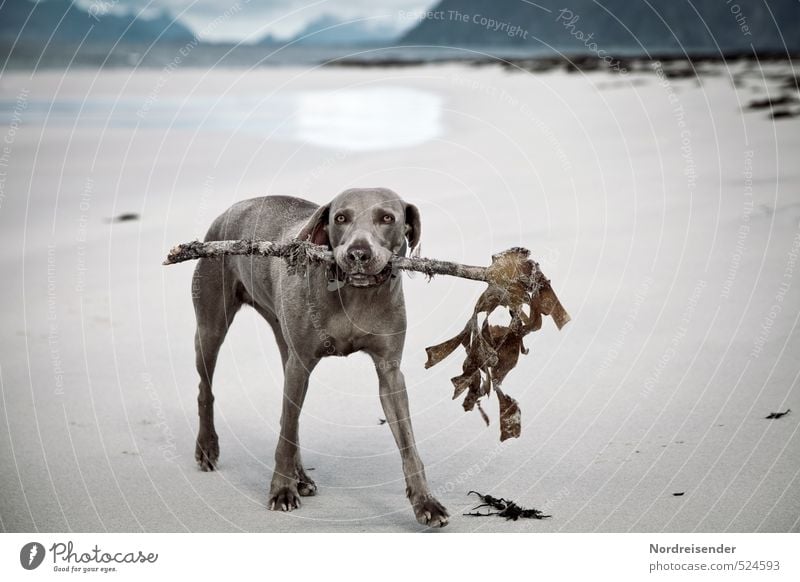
(263, 248)
(298, 254)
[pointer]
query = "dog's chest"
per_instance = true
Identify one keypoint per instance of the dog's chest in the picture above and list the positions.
(340, 333)
(345, 328)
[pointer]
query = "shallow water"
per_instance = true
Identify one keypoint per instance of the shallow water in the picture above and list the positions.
(354, 119)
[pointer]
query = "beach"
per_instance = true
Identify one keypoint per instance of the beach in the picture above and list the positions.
(664, 209)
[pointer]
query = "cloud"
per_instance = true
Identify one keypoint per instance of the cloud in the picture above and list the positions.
(250, 20)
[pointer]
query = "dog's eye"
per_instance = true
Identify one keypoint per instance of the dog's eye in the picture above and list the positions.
(387, 219)
(340, 218)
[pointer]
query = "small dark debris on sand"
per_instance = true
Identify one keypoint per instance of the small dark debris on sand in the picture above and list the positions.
(791, 82)
(504, 507)
(678, 494)
(770, 102)
(774, 415)
(687, 72)
(784, 113)
(381, 421)
(124, 217)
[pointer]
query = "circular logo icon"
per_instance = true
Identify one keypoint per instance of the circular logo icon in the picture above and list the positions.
(31, 555)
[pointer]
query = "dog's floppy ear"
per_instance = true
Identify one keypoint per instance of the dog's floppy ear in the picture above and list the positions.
(316, 229)
(413, 229)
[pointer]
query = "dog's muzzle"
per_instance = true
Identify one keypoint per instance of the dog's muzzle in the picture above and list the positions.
(361, 280)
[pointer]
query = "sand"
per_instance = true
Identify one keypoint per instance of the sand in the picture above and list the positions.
(665, 213)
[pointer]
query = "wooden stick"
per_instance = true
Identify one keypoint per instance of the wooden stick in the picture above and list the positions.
(218, 248)
(298, 254)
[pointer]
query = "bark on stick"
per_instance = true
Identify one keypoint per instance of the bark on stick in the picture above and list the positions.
(300, 253)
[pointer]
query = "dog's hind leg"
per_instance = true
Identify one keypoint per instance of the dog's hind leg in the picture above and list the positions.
(215, 304)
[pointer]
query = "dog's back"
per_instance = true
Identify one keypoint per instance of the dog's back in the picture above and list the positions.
(275, 218)
(266, 217)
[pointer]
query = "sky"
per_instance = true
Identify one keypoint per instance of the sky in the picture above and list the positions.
(249, 20)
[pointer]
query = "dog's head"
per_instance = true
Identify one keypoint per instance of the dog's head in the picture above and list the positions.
(364, 227)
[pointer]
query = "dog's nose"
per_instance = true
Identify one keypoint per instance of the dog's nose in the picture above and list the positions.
(359, 253)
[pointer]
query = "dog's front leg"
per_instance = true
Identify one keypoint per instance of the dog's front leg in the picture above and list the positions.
(283, 493)
(394, 400)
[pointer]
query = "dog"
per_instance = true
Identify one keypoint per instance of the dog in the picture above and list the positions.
(355, 305)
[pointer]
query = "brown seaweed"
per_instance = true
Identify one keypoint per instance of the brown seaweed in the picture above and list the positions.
(492, 351)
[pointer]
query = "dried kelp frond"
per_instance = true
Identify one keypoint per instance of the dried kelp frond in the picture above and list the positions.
(510, 416)
(504, 508)
(516, 283)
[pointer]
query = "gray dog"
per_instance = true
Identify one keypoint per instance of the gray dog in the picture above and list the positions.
(357, 305)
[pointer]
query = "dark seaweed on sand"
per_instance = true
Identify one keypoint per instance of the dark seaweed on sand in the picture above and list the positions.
(504, 508)
(124, 217)
(774, 415)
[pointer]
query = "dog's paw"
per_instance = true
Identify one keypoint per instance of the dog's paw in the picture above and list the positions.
(305, 484)
(206, 452)
(284, 499)
(430, 512)
(306, 488)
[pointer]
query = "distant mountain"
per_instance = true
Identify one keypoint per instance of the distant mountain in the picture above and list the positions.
(68, 23)
(328, 30)
(623, 25)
